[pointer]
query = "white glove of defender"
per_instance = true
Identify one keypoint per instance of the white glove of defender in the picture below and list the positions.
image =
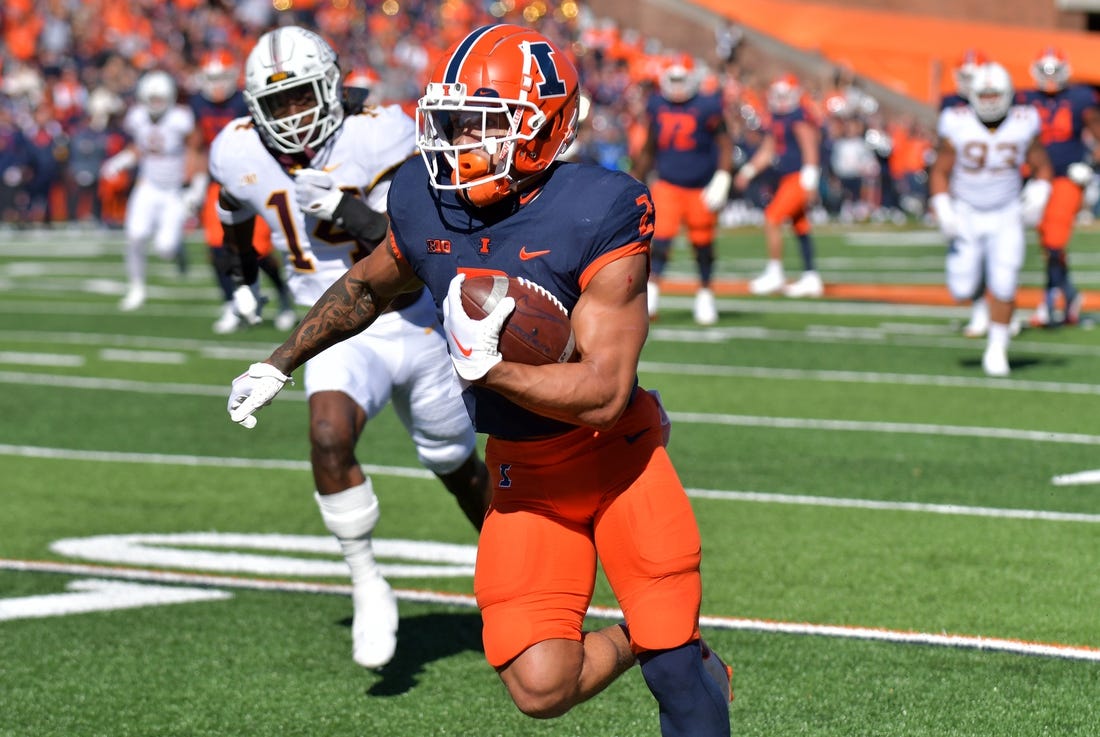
(120, 162)
(946, 216)
(246, 305)
(1079, 173)
(474, 344)
(1033, 201)
(316, 193)
(252, 390)
(717, 192)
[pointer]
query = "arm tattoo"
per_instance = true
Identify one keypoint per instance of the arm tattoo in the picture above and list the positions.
(346, 308)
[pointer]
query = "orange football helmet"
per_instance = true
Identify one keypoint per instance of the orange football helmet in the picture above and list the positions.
(1051, 70)
(219, 75)
(968, 63)
(784, 95)
(500, 107)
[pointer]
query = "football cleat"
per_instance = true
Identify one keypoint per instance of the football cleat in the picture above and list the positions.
(228, 321)
(705, 311)
(995, 362)
(808, 285)
(1073, 311)
(134, 298)
(1041, 317)
(285, 320)
(769, 282)
(717, 669)
(979, 320)
(374, 624)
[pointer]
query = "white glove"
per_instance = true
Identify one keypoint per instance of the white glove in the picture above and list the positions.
(120, 162)
(252, 390)
(316, 193)
(1079, 173)
(1033, 200)
(195, 194)
(945, 215)
(717, 191)
(809, 176)
(246, 305)
(474, 344)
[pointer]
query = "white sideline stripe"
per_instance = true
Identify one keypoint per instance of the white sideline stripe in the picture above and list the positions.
(864, 377)
(66, 360)
(1074, 479)
(155, 357)
(206, 390)
(28, 451)
(970, 642)
(949, 509)
(797, 423)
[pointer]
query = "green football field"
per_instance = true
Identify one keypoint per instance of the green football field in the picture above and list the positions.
(893, 543)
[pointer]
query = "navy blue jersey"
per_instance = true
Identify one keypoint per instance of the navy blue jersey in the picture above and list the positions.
(582, 217)
(686, 133)
(1063, 116)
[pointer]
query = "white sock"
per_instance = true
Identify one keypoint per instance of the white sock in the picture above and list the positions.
(351, 515)
(774, 267)
(999, 335)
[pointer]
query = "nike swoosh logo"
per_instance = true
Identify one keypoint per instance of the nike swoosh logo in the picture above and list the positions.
(528, 255)
(631, 438)
(461, 348)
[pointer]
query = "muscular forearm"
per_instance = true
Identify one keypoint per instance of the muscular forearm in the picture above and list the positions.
(572, 392)
(345, 309)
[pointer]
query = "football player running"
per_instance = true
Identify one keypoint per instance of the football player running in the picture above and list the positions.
(576, 450)
(975, 186)
(689, 146)
(302, 162)
(157, 209)
(1066, 111)
(792, 145)
(219, 101)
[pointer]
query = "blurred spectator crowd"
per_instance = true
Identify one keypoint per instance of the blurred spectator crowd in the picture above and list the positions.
(68, 69)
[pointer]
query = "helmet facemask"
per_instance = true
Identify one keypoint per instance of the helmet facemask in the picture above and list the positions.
(292, 87)
(297, 116)
(488, 134)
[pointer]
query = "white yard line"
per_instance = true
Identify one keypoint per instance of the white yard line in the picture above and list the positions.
(30, 451)
(969, 642)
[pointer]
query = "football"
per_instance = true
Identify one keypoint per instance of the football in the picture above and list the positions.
(537, 332)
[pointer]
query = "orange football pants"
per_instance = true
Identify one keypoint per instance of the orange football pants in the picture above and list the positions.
(675, 206)
(789, 203)
(1056, 227)
(212, 227)
(559, 503)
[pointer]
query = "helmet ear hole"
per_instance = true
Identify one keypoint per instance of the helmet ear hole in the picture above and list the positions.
(536, 121)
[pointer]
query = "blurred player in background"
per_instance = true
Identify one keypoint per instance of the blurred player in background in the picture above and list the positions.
(576, 450)
(792, 146)
(688, 144)
(158, 207)
(302, 161)
(219, 101)
(975, 185)
(964, 71)
(1066, 111)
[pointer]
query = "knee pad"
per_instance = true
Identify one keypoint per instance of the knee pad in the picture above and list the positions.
(351, 513)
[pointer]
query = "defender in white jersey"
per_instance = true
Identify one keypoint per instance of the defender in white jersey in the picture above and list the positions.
(161, 132)
(319, 175)
(975, 183)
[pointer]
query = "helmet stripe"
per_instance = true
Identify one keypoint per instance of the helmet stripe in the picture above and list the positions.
(462, 51)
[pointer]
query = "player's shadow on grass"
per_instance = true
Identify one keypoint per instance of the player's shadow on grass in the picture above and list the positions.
(1016, 363)
(422, 639)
